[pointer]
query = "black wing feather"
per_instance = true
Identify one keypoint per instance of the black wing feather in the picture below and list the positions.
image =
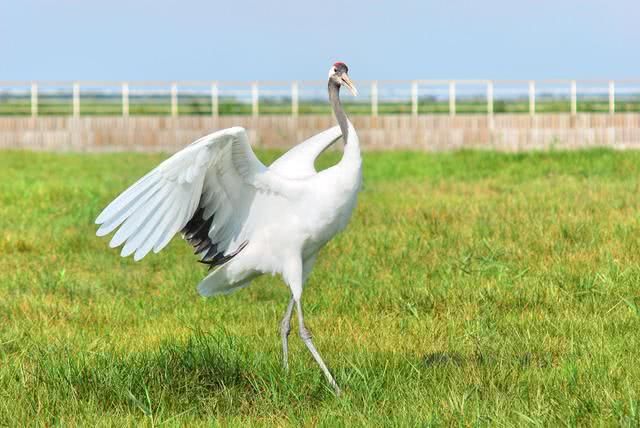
(196, 233)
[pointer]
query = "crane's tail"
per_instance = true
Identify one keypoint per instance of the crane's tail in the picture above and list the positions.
(220, 282)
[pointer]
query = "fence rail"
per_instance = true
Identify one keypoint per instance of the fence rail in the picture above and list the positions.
(415, 97)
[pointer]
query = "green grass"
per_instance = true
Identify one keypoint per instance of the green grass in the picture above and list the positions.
(202, 106)
(471, 288)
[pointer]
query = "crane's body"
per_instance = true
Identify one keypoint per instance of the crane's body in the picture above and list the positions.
(245, 219)
(282, 231)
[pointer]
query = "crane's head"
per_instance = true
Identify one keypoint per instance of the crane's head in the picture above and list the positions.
(338, 75)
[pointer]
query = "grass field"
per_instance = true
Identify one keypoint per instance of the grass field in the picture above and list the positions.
(471, 288)
(55, 106)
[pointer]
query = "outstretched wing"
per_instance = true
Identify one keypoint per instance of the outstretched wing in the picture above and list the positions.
(299, 161)
(205, 190)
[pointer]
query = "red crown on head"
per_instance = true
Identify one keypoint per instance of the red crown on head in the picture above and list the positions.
(339, 65)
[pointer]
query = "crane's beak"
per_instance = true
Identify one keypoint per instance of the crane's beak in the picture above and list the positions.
(349, 84)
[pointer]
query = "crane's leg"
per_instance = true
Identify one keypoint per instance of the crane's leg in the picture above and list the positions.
(285, 329)
(305, 335)
(285, 324)
(295, 273)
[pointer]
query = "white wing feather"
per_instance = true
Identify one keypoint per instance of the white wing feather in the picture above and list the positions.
(218, 172)
(299, 161)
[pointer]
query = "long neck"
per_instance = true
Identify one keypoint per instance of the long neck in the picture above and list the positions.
(336, 105)
(351, 158)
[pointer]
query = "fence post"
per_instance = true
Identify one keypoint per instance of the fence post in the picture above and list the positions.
(174, 99)
(254, 99)
(125, 99)
(294, 99)
(374, 98)
(414, 98)
(452, 98)
(214, 99)
(490, 97)
(490, 103)
(76, 99)
(612, 97)
(532, 97)
(34, 99)
(574, 98)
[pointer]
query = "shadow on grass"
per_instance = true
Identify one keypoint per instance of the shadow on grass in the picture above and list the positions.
(488, 358)
(189, 372)
(436, 359)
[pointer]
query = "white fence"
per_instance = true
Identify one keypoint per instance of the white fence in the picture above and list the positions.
(307, 97)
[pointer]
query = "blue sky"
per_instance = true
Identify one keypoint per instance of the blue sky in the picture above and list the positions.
(283, 40)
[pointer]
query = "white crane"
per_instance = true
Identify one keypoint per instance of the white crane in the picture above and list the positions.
(243, 218)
